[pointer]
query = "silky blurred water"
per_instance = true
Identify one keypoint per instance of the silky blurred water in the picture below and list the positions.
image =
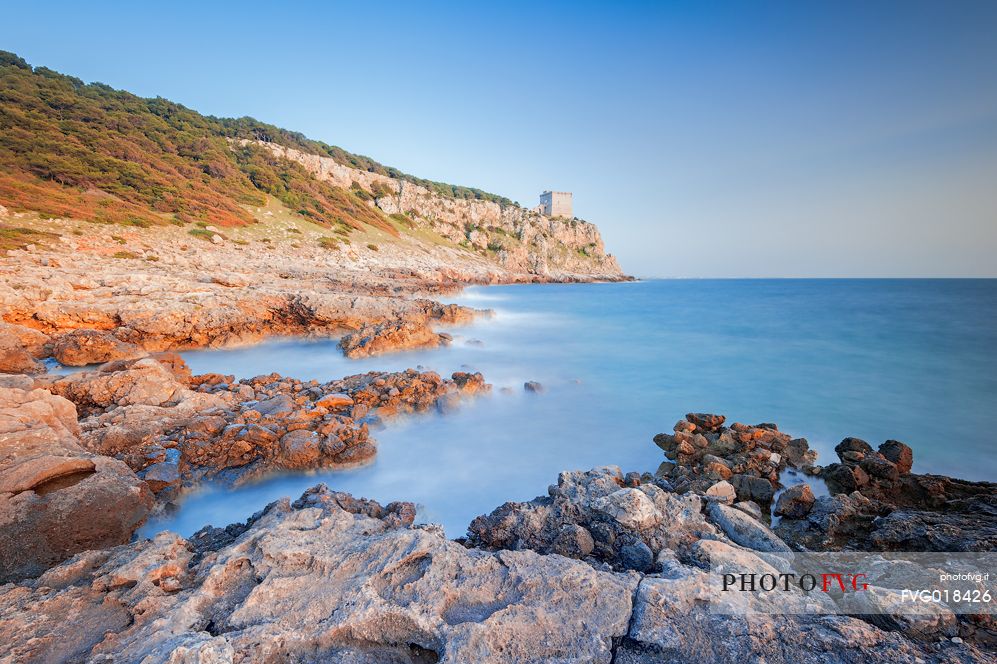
(914, 360)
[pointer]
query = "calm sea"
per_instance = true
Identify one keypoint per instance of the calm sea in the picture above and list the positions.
(914, 360)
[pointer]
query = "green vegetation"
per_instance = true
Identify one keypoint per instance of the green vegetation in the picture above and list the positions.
(15, 237)
(373, 247)
(125, 254)
(88, 151)
(327, 242)
(201, 233)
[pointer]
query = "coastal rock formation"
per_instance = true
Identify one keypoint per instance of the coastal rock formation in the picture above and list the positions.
(328, 578)
(176, 430)
(390, 336)
(333, 578)
(593, 516)
(57, 499)
(702, 451)
(20, 348)
(517, 238)
(878, 503)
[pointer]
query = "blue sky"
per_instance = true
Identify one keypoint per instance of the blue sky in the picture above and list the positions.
(705, 139)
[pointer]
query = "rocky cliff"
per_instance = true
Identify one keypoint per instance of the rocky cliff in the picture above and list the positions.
(516, 238)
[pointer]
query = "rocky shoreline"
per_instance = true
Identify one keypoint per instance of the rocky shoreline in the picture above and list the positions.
(608, 567)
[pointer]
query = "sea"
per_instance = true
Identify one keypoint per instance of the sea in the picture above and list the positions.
(911, 360)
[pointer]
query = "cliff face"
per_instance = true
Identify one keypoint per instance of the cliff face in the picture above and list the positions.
(514, 237)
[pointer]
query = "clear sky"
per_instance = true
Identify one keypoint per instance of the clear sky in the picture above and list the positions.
(705, 139)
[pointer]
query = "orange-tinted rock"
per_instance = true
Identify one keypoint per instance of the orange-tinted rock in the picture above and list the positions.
(82, 347)
(56, 499)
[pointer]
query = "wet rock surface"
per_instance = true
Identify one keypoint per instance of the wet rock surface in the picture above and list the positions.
(375, 339)
(176, 430)
(608, 567)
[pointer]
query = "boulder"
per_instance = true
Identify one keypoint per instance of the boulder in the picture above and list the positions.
(750, 508)
(723, 492)
(795, 502)
(749, 487)
(56, 499)
(615, 517)
(630, 507)
(374, 339)
(899, 454)
(855, 445)
(18, 361)
(744, 530)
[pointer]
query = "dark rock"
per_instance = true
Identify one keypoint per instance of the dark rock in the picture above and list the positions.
(753, 488)
(899, 453)
(533, 386)
(798, 453)
(852, 445)
(795, 502)
(636, 555)
(879, 468)
(573, 541)
(965, 525)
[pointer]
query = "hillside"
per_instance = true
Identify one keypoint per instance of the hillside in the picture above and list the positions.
(88, 152)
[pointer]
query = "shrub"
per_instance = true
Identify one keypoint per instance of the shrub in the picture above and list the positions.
(125, 254)
(373, 247)
(327, 242)
(201, 233)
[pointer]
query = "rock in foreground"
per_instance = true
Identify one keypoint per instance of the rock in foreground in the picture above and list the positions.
(331, 578)
(57, 499)
(328, 579)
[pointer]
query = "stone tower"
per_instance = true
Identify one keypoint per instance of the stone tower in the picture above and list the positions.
(555, 204)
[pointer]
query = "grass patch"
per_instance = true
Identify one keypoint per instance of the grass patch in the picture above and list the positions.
(125, 254)
(402, 219)
(327, 242)
(201, 233)
(16, 237)
(373, 247)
